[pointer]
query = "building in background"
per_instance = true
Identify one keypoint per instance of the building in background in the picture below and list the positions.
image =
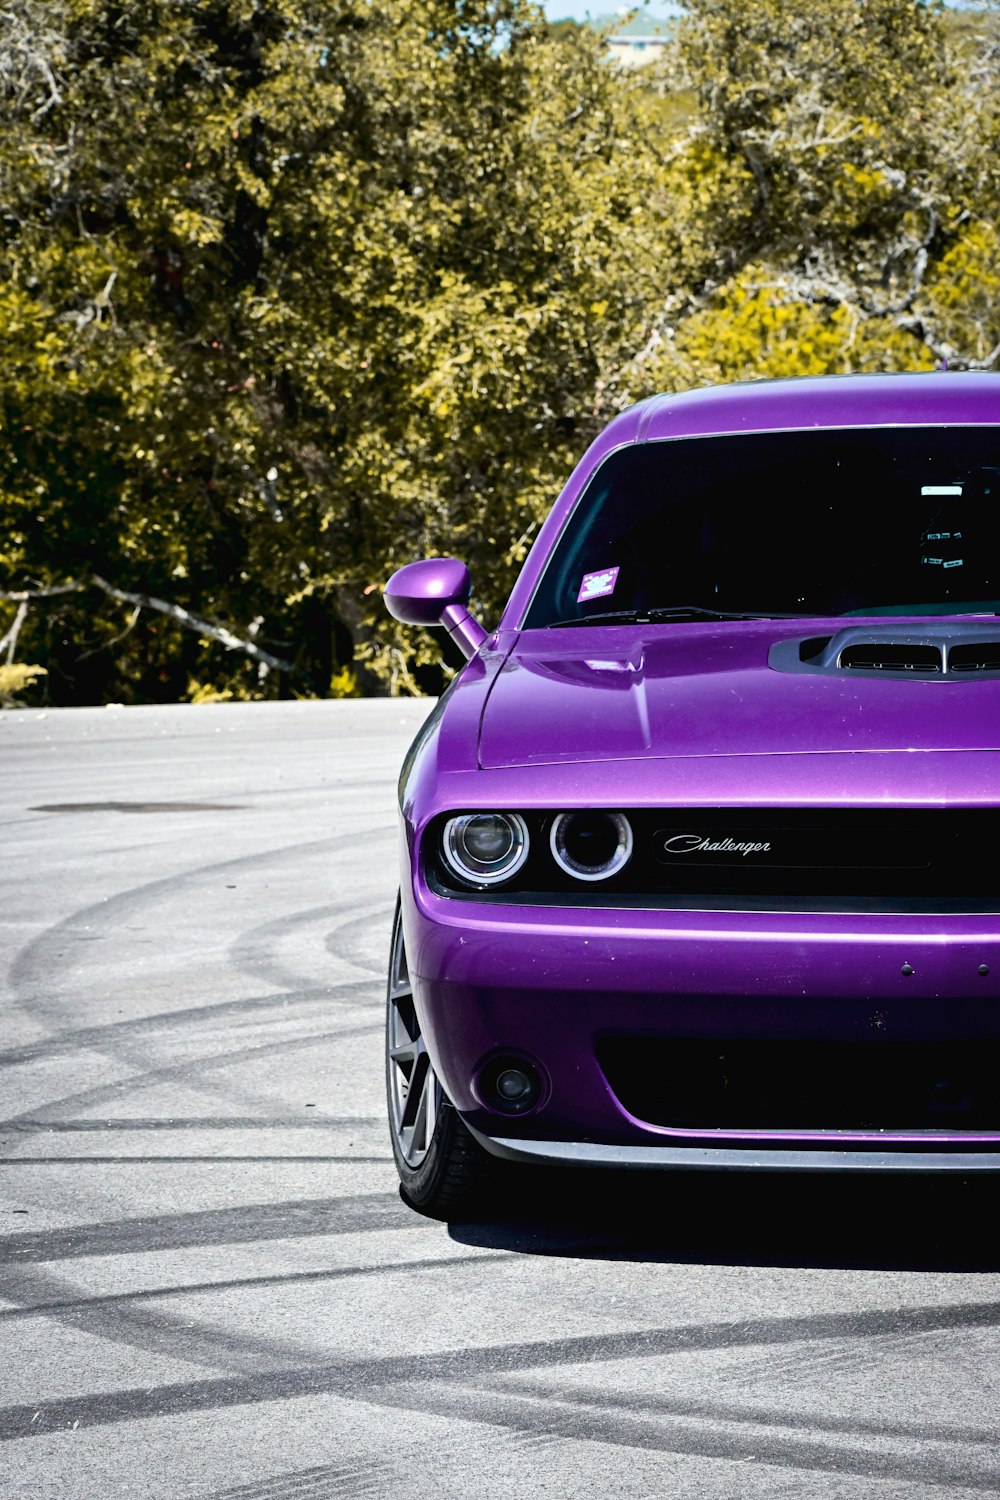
(637, 42)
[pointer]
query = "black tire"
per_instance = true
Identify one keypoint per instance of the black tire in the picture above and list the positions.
(443, 1171)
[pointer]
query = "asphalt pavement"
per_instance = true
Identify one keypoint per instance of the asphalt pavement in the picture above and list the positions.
(209, 1286)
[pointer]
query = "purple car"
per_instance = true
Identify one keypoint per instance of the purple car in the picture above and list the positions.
(697, 850)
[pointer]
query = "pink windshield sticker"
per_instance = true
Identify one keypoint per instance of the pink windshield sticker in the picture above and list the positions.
(597, 585)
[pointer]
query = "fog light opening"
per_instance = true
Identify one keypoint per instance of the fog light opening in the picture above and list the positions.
(511, 1085)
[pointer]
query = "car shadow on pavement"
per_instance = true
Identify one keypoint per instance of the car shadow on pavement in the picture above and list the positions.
(874, 1222)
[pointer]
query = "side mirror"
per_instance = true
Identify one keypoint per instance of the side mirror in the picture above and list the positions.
(436, 592)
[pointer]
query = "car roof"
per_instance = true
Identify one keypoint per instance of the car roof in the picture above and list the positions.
(959, 398)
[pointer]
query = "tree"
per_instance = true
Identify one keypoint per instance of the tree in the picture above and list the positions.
(296, 290)
(839, 183)
(293, 291)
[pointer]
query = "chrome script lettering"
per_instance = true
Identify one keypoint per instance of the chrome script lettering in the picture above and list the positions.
(694, 843)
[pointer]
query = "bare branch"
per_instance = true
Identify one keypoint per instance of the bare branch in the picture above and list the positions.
(30, 42)
(54, 97)
(225, 637)
(9, 641)
(92, 310)
(195, 622)
(133, 620)
(25, 596)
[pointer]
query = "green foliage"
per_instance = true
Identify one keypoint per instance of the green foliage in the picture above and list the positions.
(837, 192)
(14, 678)
(754, 326)
(964, 287)
(344, 684)
(295, 291)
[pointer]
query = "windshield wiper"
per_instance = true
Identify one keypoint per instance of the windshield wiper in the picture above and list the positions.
(673, 612)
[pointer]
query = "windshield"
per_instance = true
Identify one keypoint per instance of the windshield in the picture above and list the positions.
(854, 521)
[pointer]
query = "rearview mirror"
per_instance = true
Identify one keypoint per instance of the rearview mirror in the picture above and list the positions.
(436, 592)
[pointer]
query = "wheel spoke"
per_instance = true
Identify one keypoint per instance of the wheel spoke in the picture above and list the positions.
(433, 1098)
(405, 1049)
(414, 1091)
(399, 975)
(418, 1117)
(416, 1088)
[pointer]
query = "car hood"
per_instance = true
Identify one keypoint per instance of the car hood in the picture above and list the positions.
(599, 693)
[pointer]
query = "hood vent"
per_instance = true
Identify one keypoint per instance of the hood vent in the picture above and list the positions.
(957, 650)
(891, 656)
(984, 656)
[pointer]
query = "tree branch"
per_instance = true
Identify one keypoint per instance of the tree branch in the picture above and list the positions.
(195, 622)
(9, 641)
(232, 642)
(26, 596)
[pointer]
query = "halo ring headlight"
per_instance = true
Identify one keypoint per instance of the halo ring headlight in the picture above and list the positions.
(485, 848)
(591, 845)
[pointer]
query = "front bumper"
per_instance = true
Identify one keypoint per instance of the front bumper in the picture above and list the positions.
(549, 985)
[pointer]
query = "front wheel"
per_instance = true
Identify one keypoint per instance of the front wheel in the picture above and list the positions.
(442, 1168)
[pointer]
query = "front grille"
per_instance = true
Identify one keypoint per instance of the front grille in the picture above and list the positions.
(882, 1085)
(853, 857)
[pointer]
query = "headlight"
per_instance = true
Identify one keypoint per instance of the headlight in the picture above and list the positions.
(485, 848)
(591, 845)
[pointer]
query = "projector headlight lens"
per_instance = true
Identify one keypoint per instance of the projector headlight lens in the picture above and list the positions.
(485, 848)
(591, 845)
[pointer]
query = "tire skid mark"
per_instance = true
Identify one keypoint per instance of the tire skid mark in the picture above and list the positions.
(366, 1476)
(82, 1038)
(212, 1226)
(147, 1328)
(846, 1356)
(394, 1379)
(158, 1161)
(155, 1330)
(199, 1288)
(127, 1043)
(604, 1398)
(35, 963)
(373, 1477)
(701, 1439)
(126, 1123)
(253, 952)
(189, 1071)
(351, 952)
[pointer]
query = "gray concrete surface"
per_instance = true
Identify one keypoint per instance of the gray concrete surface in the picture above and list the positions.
(210, 1287)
